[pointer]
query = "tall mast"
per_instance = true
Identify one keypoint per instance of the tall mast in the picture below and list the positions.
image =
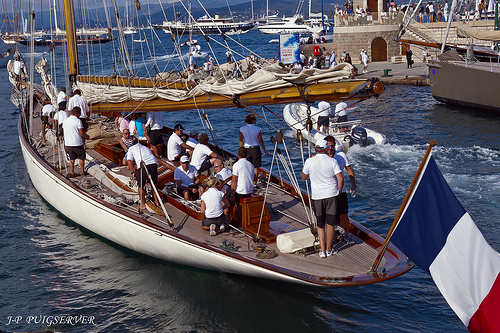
(69, 19)
(55, 18)
(7, 17)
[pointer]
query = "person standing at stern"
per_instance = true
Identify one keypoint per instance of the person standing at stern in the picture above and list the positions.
(326, 180)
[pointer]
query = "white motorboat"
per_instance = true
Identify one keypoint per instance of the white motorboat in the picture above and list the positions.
(205, 25)
(346, 134)
(294, 24)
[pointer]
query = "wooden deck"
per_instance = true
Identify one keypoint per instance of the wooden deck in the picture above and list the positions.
(287, 214)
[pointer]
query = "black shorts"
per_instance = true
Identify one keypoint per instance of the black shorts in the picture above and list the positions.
(45, 120)
(142, 176)
(324, 121)
(342, 204)
(84, 124)
(342, 119)
(77, 152)
(325, 211)
(207, 221)
(254, 156)
(206, 165)
(155, 138)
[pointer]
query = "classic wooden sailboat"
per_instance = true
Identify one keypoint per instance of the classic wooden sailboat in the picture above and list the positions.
(271, 237)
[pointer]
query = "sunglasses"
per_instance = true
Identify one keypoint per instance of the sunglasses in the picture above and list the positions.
(216, 166)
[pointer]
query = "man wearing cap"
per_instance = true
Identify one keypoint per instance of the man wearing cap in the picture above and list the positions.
(326, 179)
(323, 116)
(140, 153)
(213, 204)
(243, 175)
(251, 139)
(155, 123)
(175, 144)
(187, 180)
(342, 203)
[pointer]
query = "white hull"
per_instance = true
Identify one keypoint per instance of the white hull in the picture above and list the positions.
(295, 115)
(121, 228)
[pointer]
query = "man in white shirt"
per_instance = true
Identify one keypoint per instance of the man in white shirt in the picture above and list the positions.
(139, 153)
(74, 140)
(203, 157)
(323, 116)
(251, 139)
(155, 123)
(62, 98)
(341, 112)
(187, 180)
(175, 144)
(59, 118)
(223, 174)
(342, 203)
(48, 111)
(326, 179)
(243, 175)
(18, 70)
(78, 100)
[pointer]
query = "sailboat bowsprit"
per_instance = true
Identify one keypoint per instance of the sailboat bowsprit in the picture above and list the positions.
(278, 212)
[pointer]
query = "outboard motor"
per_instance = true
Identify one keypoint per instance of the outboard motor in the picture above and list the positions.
(359, 136)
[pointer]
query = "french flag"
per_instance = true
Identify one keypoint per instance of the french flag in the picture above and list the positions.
(438, 235)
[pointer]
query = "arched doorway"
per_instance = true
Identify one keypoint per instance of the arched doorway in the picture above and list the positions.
(379, 49)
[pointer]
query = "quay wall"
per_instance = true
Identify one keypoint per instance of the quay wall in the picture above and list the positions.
(378, 40)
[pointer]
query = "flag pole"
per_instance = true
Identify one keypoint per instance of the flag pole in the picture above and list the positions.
(376, 263)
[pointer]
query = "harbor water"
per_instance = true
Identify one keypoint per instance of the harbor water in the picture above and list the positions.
(52, 269)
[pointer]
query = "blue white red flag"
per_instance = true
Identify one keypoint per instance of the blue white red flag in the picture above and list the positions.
(438, 235)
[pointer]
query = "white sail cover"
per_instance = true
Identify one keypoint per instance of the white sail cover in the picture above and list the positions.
(269, 77)
(464, 30)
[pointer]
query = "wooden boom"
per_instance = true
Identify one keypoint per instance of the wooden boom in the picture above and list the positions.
(352, 89)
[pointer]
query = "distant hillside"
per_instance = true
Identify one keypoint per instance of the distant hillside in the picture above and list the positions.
(243, 10)
(154, 13)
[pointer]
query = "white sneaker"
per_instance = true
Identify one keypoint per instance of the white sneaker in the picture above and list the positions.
(322, 254)
(331, 253)
(212, 230)
(222, 228)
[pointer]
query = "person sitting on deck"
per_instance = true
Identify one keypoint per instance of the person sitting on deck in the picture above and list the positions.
(223, 174)
(139, 153)
(187, 180)
(126, 142)
(243, 176)
(175, 144)
(203, 157)
(214, 205)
